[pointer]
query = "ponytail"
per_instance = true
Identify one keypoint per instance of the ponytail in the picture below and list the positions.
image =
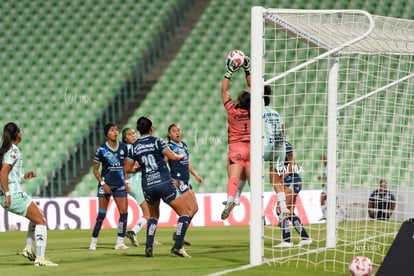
(10, 132)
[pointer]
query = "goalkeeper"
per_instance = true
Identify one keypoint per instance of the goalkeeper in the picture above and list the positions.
(238, 119)
(274, 150)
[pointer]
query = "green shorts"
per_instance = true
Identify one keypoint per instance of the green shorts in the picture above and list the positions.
(19, 203)
(276, 154)
(136, 192)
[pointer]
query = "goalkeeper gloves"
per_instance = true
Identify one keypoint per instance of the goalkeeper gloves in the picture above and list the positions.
(231, 68)
(246, 65)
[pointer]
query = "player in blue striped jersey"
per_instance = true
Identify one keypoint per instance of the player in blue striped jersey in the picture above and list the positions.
(111, 182)
(292, 185)
(180, 171)
(157, 184)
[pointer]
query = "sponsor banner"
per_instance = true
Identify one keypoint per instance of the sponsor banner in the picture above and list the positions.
(80, 213)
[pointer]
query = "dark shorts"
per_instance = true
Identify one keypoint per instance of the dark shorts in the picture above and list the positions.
(294, 182)
(116, 192)
(165, 191)
(183, 186)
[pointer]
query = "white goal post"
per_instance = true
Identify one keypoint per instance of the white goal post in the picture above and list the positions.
(335, 75)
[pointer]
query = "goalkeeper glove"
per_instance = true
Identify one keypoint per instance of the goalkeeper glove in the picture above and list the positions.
(246, 65)
(231, 68)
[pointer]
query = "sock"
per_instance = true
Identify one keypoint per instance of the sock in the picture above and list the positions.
(324, 210)
(41, 240)
(281, 200)
(151, 229)
(122, 224)
(30, 234)
(182, 226)
(297, 223)
(286, 230)
(141, 223)
(98, 223)
(119, 240)
(240, 187)
(232, 186)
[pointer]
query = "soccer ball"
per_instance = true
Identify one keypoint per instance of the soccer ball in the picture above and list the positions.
(360, 266)
(237, 57)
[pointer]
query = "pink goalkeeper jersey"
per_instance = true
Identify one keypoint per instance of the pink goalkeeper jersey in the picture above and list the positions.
(238, 123)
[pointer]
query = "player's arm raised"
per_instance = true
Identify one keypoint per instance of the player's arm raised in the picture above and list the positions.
(246, 67)
(231, 67)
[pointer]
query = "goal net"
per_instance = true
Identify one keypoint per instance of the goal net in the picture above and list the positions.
(343, 82)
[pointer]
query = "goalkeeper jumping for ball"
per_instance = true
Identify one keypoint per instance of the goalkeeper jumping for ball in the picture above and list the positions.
(238, 119)
(239, 140)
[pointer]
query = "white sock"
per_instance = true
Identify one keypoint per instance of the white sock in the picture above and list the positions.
(119, 240)
(94, 240)
(41, 240)
(141, 223)
(281, 200)
(324, 211)
(230, 199)
(30, 235)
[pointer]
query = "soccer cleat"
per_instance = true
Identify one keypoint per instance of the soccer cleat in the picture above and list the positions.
(226, 212)
(42, 261)
(305, 242)
(185, 242)
(284, 244)
(121, 247)
(92, 246)
(148, 252)
(180, 252)
(236, 201)
(29, 254)
(132, 237)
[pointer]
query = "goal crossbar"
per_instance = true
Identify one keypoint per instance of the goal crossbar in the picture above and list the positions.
(369, 34)
(387, 36)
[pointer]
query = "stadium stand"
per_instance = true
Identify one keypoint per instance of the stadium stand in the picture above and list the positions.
(63, 66)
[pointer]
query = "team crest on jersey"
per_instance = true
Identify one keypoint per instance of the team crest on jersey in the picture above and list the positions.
(12, 156)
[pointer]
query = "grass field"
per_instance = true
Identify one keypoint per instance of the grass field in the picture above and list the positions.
(214, 251)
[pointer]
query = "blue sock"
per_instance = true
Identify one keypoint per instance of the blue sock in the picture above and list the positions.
(98, 223)
(122, 224)
(297, 223)
(286, 230)
(182, 225)
(151, 229)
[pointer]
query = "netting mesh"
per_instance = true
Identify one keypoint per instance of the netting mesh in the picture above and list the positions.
(374, 137)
